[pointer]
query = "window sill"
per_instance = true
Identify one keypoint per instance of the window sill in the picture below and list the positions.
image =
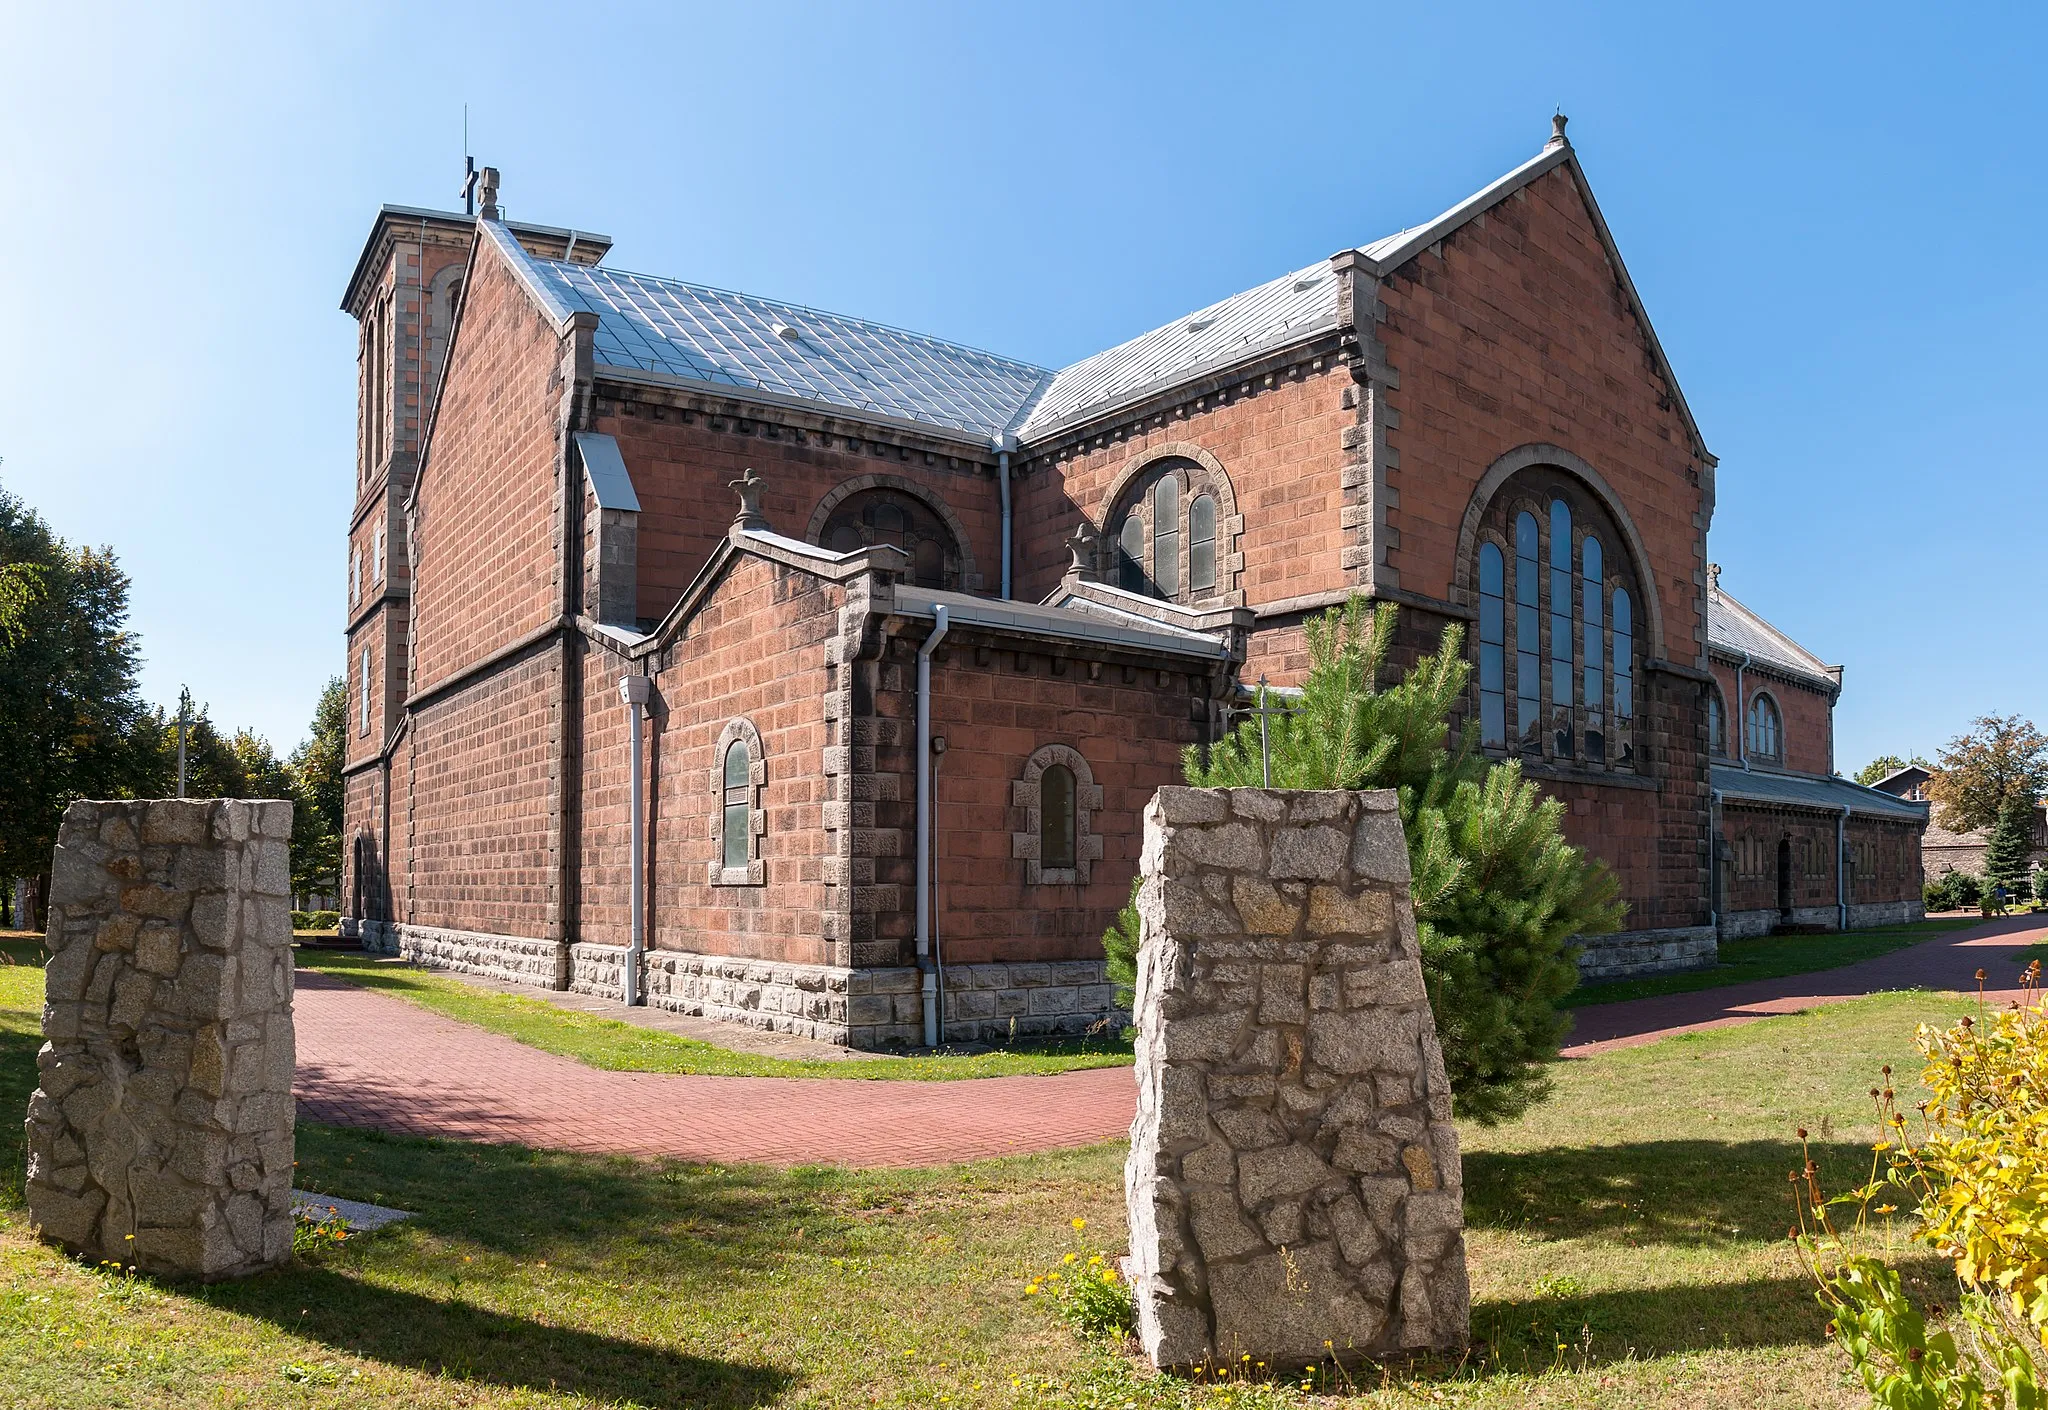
(1568, 773)
(752, 874)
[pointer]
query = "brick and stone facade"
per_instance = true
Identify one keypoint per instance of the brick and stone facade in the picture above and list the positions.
(1294, 1184)
(547, 467)
(160, 1135)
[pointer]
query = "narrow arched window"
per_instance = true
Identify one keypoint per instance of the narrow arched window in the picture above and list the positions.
(1528, 647)
(1130, 555)
(1593, 660)
(1493, 671)
(1056, 828)
(1717, 732)
(1166, 537)
(1765, 735)
(1624, 676)
(1202, 544)
(737, 824)
(1561, 624)
(928, 564)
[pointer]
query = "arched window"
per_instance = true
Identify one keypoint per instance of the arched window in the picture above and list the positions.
(1765, 736)
(738, 820)
(872, 517)
(1564, 688)
(1202, 544)
(1493, 671)
(1130, 555)
(1056, 830)
(1528, 650)
(739, 797)
(1168, 532)
(1166, 536)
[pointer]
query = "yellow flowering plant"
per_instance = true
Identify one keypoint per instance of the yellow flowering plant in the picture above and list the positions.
(1089, 1293)
(1976, 1169)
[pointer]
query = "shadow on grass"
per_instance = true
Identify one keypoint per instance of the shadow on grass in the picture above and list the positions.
(476, 1344)
(1687, 1193)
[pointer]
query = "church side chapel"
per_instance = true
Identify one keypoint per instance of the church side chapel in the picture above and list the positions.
(748, 660)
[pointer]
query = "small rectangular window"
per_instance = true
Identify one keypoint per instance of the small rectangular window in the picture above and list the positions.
(366, 691)
(377, 558)
(355, 575)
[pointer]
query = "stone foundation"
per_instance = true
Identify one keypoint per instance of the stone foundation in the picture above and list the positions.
(512, 958)
(1870, 915)
(1294, 1184)
(861, 1008)
(1638, 952)
(161, 1134)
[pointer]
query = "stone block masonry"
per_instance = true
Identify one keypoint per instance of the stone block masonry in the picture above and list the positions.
(1294, 1185)
(161, 1133)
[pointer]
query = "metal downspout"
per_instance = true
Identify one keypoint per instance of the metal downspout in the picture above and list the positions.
(634, 690)
(930, 982)
(1714, 861)
(1741, 720)
(1003, 486)
(1841, 871)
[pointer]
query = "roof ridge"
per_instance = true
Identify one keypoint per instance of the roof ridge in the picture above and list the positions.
(1721, 594)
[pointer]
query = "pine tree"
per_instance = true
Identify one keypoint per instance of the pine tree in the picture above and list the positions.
(2005, 857)
(1499, 895)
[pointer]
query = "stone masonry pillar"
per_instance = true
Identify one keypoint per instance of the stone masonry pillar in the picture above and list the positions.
(1294, 1182)
(161, 1134)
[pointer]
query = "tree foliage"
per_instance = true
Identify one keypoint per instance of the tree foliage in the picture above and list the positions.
(2002, 759)
(1499, 895)
(315, 769)
(2005, 856)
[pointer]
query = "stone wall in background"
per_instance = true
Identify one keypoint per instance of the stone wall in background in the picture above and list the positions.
(1294, 1185)
(161, 1134)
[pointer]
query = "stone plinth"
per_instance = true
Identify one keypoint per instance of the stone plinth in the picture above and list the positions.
(1294, 1184)
(161, 1134)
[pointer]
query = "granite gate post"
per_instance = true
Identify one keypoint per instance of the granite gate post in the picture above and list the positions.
(1294, 1186)
(161, 1134)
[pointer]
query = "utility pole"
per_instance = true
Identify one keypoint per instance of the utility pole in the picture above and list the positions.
(184, 709)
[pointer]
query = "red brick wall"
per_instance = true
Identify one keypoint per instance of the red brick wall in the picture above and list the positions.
(1805, 715)
(366, 885)
(484, 760)
(1885, 862)
(1279, 445)
(683, 461)
(488, 554)
(994, 716)
(757, 649)
(1750, 879)
(600, 821)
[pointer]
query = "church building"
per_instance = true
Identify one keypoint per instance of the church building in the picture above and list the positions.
(753, 661)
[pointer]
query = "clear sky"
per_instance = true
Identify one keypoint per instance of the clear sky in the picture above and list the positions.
(1835, 215)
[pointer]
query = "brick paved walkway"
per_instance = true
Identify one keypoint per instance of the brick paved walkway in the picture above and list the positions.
(369, 1060)
(1947, 961)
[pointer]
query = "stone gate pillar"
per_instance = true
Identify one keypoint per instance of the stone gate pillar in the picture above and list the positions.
(161, 1134)
(1294, 1186)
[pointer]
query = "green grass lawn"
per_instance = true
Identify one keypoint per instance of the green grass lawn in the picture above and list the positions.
(1772, 957)
(626, 1047)
(1635, 1220)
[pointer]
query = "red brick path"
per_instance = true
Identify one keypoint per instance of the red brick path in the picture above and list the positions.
(1946, 962)
(369, 1060)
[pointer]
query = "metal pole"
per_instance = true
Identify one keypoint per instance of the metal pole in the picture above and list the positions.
(1265, 754)
(184, 706)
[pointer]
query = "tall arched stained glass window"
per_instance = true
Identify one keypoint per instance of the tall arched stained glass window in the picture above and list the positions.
(1166, 537)
(1056, 829)
(1493, 670)
(1528, 647)
(1561, 624)
(1625, 679)
(1592, 670)
(1130, 555)
(1202, 544)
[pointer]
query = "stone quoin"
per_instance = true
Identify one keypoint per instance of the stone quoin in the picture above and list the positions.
(1472, 419)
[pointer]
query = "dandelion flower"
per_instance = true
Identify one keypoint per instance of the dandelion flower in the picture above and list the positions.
(1078, 1223)
(1071, 1258)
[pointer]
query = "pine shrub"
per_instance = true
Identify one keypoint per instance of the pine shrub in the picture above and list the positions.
(1500, 897)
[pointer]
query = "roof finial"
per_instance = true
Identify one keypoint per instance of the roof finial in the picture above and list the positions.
(489, 181)
(749, 486)
(1557, 137)
(1713, 580)
(1081, 544)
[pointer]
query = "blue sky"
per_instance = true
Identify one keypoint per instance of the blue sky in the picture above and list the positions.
(1833, 213)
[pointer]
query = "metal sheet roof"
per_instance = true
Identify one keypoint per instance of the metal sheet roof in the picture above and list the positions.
(1057, 621)
(1809, 791)
(1273, 315)
(708, 335)
(609, 480)
(1732, 627)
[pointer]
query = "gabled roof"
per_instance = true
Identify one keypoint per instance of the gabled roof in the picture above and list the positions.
(584, 246)
(671, 331)
(1735, 630)
(1899, 781)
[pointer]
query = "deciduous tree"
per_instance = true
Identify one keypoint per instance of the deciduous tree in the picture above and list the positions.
(2002, 759)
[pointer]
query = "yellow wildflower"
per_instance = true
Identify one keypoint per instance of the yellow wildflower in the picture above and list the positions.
(1078, 1223)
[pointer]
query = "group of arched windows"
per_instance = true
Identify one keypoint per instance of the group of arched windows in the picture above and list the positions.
(887, 516)
(1765, 739)
(1556, 642)
(1166, 533)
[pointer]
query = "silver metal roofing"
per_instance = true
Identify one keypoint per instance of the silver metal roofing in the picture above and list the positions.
(1808, 791)
(1273, 315)
(606, 468)
(1733, 628)
(964, 610)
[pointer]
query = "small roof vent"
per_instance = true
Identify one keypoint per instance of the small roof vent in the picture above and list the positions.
(1307, 282)
(1196, 325)
(789, 333)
